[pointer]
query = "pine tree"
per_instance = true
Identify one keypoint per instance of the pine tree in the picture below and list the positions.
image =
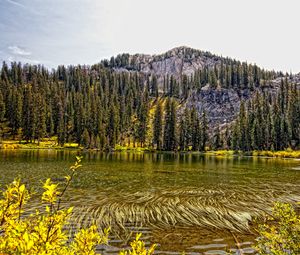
(112, 127)
(255, 136)
(61, 131)
(154, 87)
(195, 130)
(182, 134)
(85, 138)
(40, 118)
(204, 131)
(2, 114)
(170, 126)
(227, 139)
(28, 114)
(212, 79)
(243, 134)
(49, 121)
(157, 127)
(217, 143)
(142, 121)
(235, 137)
(185, 88)
(15, 111)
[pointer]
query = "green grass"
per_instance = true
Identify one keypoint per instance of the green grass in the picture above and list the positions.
(46, 143)
(220, 153)
(131, 148)
(51, 143)
(289, 153)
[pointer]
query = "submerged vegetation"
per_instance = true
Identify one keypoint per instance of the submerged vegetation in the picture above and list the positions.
(169, 208)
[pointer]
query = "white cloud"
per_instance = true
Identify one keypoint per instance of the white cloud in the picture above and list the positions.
(10, 59)
(85, 31)
(24, 7)
(23, 60)
(15, 3)
(16, 50)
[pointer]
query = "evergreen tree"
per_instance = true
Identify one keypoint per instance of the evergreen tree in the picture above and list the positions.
(61, 129)
(28, 114)
(154, 87)
(40, 118)
(204, 131)
(85, 139)
(157, 127)
(15, 111)
(235, 137)
(217, 143)
(170, 126)
(2, 114)
(195, 130)
(185, 87)
(185, 130)
(112, 127)
(142, 120)
(243, 134)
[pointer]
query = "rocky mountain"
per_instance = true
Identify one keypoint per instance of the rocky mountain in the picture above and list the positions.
(175, 62)
(157, 101)
(220, 102)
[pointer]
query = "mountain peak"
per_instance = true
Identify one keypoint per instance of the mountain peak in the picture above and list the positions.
(181, 49)
(181, 60)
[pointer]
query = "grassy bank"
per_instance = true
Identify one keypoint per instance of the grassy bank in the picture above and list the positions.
(274, 154)
(277, 154)
(226, 153)
(51, 143)
(43, 144)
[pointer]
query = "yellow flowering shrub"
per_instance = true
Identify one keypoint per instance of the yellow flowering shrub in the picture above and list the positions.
(42, 232)
(138, 248)
(280, 235)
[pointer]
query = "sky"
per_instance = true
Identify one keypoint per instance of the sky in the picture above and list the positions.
(54, 32)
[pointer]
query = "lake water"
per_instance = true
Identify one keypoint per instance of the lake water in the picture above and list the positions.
(183, 202)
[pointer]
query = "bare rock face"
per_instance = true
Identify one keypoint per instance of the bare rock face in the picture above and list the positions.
(221, 105)
(176, 62)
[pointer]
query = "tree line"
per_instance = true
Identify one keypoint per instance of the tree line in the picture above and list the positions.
(268, 121)
(100, 107)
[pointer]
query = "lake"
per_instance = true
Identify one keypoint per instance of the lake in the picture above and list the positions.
(183, 202)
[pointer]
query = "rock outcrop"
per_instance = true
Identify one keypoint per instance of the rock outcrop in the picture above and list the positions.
(221, 105)
(175, 62)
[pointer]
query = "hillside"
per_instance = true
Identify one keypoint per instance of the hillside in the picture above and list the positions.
(175, 62)
(183, 99)
(220, 101)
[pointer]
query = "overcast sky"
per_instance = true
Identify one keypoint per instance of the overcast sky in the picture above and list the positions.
(52, 32)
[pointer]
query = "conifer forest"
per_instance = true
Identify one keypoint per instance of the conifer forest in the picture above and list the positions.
(115, 103)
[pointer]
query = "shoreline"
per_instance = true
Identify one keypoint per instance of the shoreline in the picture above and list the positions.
(49, 145)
